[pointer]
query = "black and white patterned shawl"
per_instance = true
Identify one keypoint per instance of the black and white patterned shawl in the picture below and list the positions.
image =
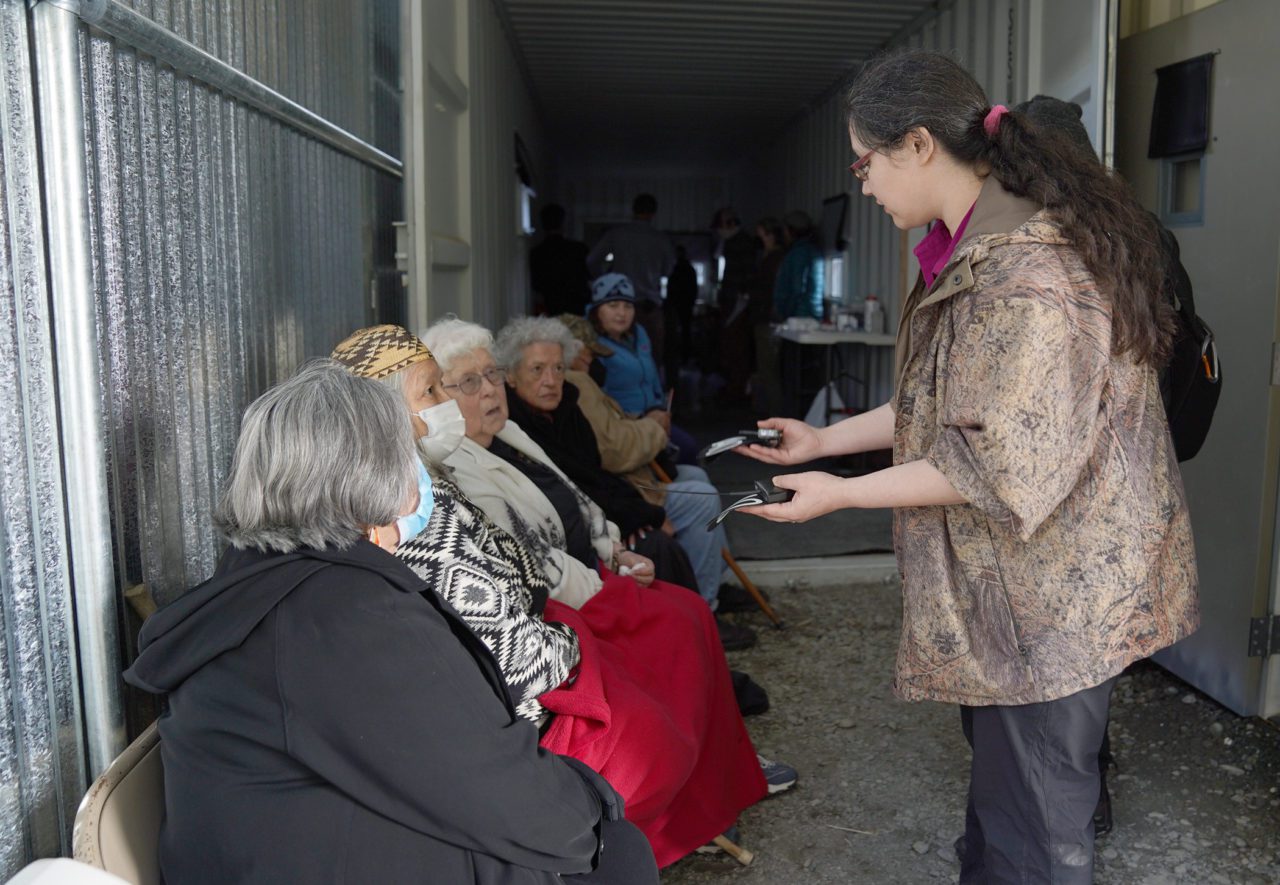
(493, 581)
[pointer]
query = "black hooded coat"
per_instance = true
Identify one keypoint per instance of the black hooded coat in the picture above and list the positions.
(330, 722)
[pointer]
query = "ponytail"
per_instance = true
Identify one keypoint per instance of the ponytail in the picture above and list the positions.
(1118, 240)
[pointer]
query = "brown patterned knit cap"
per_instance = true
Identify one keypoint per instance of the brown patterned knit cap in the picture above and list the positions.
(379, 351)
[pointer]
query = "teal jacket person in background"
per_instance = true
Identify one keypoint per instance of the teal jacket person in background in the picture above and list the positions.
(798, 290)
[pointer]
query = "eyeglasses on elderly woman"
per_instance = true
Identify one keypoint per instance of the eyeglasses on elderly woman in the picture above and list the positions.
(469, 384)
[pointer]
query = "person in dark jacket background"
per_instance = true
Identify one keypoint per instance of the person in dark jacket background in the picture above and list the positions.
(682, 295)
(798, 287)
(327, 719)
(558, 266)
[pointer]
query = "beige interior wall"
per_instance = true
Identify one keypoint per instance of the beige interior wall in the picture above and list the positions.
(1141, 15)
(1232, 260)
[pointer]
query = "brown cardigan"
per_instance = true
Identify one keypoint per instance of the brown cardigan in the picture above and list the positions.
(1074, 556)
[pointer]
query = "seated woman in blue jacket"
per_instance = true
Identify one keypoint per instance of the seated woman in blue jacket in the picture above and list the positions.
(327, 719)
(631, 374)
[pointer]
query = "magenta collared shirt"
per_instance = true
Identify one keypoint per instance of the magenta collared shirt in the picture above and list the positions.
(936, 249)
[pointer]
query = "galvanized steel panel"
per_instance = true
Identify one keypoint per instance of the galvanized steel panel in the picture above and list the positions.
(226, 248)
(41, 749)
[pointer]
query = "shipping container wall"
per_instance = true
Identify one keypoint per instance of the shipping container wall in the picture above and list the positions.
(501, 109)
(42, 771)
(222, 247)
(686, 200)
(228, 248)
(810, 161)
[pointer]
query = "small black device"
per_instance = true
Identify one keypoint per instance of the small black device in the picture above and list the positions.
(765, 493)
(764, 436)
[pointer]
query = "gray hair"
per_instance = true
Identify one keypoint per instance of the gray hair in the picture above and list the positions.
(450, 338)
(524, 331)
(320, 458)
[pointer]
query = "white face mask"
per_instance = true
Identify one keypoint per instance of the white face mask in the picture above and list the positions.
(445, 429)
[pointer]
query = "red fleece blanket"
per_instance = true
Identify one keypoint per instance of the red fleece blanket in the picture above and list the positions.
(652, 709)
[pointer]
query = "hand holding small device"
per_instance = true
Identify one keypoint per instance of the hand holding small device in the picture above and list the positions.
(765, 493)
(760, 436)
(797, 443)
(808, 496)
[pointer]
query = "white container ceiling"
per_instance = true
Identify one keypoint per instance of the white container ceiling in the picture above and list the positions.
(672, 78)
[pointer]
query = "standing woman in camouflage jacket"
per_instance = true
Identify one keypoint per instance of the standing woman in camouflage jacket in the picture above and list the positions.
(1040, 523)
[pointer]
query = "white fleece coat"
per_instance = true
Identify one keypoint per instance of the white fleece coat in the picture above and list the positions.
(511, 500)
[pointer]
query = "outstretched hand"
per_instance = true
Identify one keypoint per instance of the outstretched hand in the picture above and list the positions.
(816, 494)
(800, 443)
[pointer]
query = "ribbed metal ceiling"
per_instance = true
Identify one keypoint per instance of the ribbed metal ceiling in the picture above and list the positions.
(670, 78)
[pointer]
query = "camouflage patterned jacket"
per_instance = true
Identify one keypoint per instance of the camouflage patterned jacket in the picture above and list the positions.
(1074, 556)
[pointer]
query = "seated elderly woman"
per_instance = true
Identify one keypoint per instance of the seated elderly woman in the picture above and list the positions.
(525, 492)
(634, 448)
(631, 375)
(326, 717)
(536, 352)
(667, 735)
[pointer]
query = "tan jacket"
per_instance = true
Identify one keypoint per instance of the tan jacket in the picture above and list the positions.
(627, 445)
(1074, 556)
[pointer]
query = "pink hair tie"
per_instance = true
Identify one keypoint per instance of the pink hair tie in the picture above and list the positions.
(992, 121)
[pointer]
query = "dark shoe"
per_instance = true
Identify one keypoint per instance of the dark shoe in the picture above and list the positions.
(733, 637)
(733, 598)
(1102, 820)
(778, 775)
(752, 699)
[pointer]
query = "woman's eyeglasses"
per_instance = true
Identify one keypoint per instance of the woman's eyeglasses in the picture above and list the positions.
(469, 384)
(861, 167)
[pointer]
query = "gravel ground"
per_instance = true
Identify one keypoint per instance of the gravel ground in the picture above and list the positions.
(881, 795)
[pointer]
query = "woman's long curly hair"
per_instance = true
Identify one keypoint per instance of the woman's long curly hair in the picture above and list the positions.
(1116, 237)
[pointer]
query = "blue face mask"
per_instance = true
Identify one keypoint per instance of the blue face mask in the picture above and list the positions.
(412, 524)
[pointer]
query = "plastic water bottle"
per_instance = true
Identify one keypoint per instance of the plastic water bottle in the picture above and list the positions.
(873, 315)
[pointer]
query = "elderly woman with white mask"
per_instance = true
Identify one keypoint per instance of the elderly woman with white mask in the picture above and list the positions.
(451, 543)
(667, 737)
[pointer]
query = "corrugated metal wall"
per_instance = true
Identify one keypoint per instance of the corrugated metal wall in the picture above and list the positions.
(42, 766)
(810, 161)
(686, 200)
(226, 247)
